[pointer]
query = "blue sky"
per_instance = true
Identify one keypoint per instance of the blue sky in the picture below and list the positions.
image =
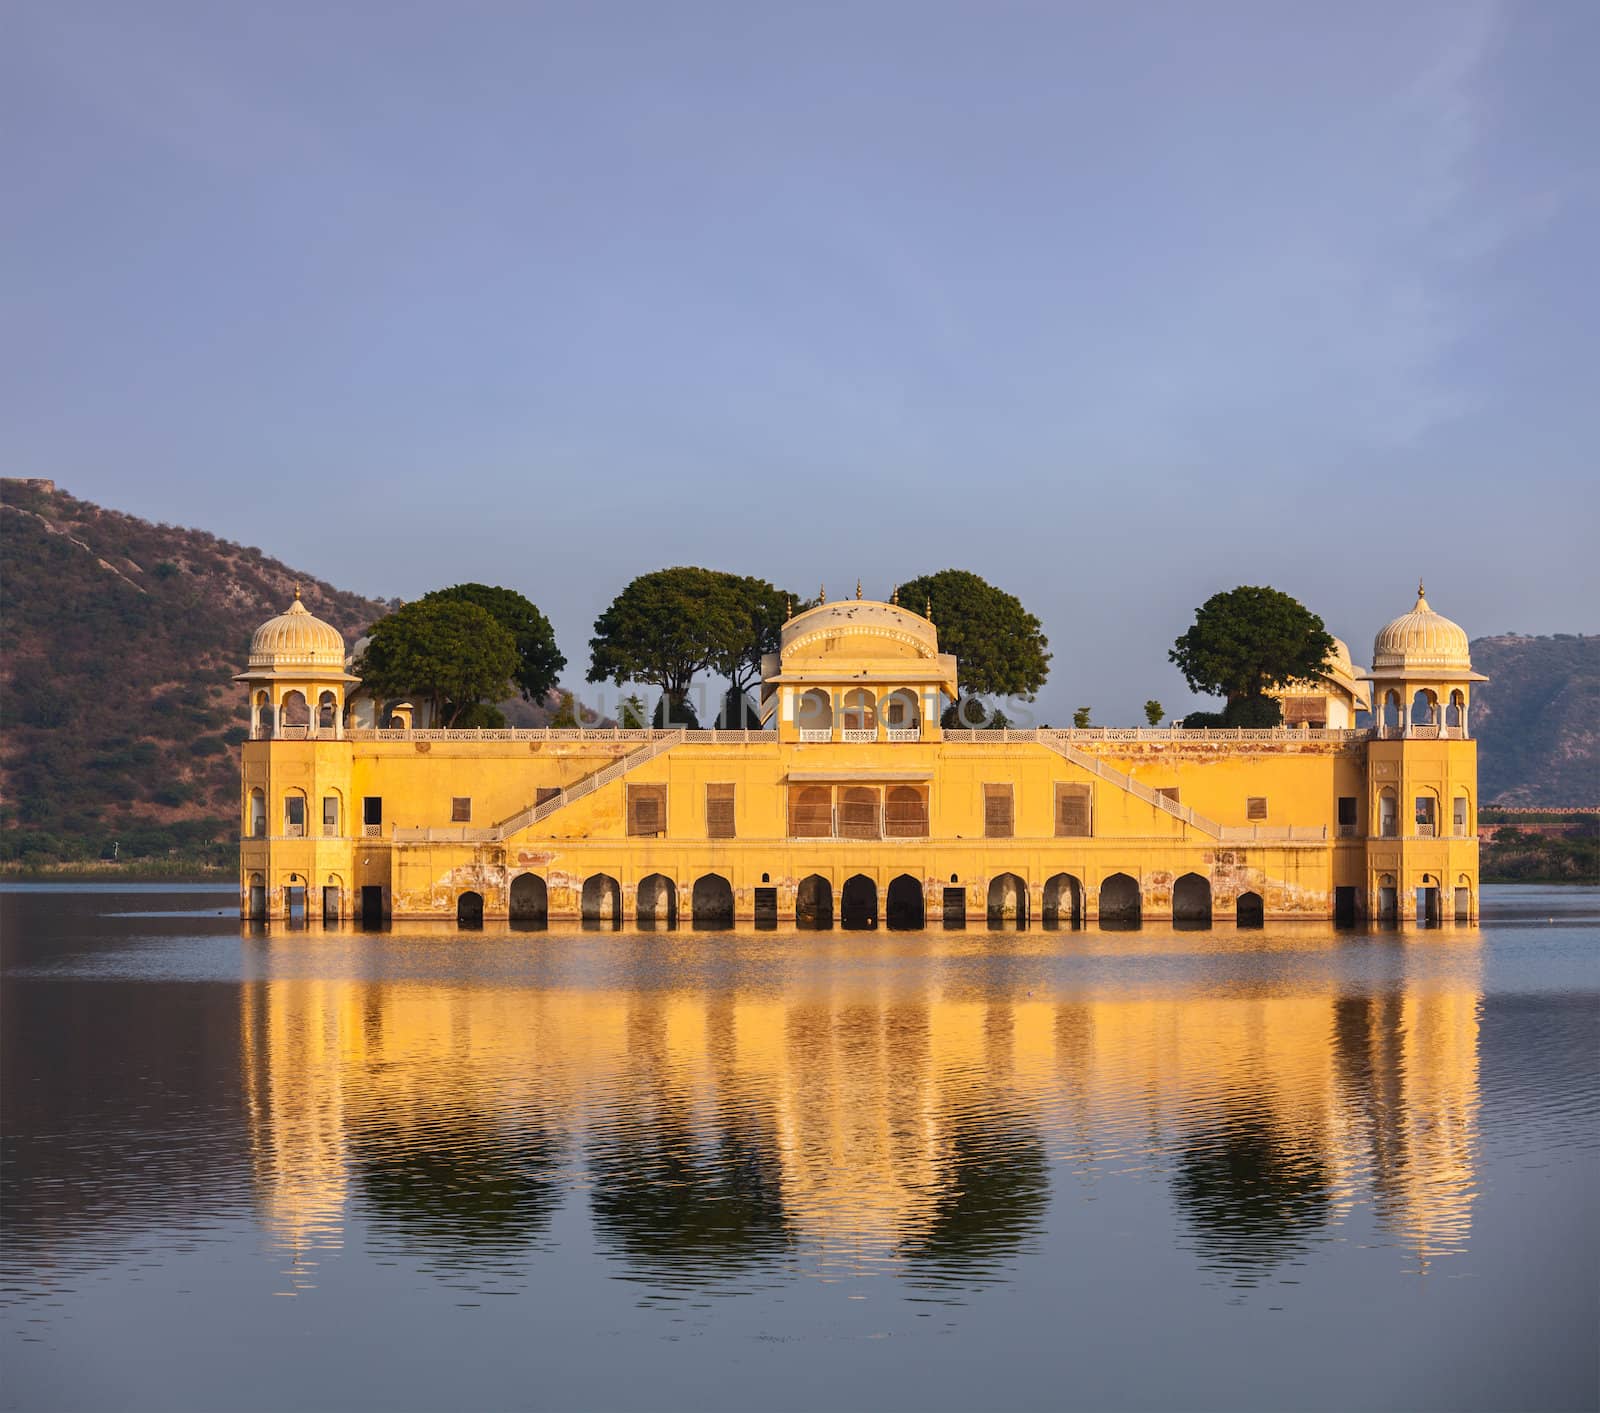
(1114, 305)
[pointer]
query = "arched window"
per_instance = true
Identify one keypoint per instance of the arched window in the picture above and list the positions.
(265, 717)
(1427, 814)
(294, 814)
(1461, 815)
(1388, 813)
(327, 712)
(258, 814)
(1456, 713)
(1425, 708)
(813, 714)
(295, 712)
(860, 714)
(901, 715)
(1391, 708)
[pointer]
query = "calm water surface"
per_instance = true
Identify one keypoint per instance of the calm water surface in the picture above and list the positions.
(425, 1169)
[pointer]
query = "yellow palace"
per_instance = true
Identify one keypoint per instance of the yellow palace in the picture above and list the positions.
(856, 808)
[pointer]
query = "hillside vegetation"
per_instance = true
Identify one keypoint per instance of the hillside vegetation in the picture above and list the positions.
(1535, 720)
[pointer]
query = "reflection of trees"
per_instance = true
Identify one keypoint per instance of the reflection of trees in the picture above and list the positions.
(672, 1206)
(460, 1194)
(1251, 1193)
(992, 1198)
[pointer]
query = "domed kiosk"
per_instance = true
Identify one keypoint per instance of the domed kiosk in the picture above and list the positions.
(1422, 675)
(296, 676)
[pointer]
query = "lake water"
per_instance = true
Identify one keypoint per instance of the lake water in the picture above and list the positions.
(426, 1169)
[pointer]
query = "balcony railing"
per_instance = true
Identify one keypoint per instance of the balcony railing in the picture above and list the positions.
(858, 734)
(903, 733)
(816, 733)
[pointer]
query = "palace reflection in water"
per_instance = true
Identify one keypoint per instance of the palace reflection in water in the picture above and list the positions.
(727, 1121)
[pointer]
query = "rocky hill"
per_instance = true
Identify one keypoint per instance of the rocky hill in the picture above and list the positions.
(1535, 720)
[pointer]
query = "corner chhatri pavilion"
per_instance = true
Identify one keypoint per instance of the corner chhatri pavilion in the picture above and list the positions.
(856, 807)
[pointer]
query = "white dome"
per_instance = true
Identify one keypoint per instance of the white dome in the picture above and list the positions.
(296, 638)
(1421, 640)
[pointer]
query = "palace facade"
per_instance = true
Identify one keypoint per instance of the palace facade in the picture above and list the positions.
(855, 807)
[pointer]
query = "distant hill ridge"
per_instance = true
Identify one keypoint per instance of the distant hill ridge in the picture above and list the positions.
(119, 717)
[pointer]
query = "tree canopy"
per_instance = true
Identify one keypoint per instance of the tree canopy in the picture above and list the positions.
(667, 626)
(447, 652)
(539, 661)
(999, 646)
(1247, 640)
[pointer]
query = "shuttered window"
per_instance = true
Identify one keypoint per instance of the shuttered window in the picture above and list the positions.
(647, 810)
(719, 812)
(1255, 807)
(460, 809)
(905, 812)
(811, 812)
(997, 813)
(1072, 811)
(858, 812)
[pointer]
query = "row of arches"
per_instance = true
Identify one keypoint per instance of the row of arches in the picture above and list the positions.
(902, 907)
(1425, 709)
(294, 711)
(859, 710)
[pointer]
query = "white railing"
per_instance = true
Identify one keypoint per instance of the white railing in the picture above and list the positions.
(659, 741)
(815, 733)
(904, 733)
(445, 834)
(1075, 734)
(372, 831)
(563, 734)
(858, 735)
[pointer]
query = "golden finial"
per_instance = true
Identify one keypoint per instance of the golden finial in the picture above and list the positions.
(788, 608)
(927, 608)
(858, 588)
(894, 595)
(297, 590)
(822, 593)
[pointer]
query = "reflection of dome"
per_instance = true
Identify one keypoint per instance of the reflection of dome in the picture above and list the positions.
(1421, 639)
(296, 638)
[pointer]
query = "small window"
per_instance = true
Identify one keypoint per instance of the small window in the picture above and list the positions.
(1347, 816)
(647, 811)
(1388, 820)
(258, 815)
(997, 812)
(1427, 819)
(330, 816)
(1460, 816)
(372, 809)
(1169, 791)
(1072, 811)
(460, 809)
(719, 812)
(1255, 807)
(294, 816)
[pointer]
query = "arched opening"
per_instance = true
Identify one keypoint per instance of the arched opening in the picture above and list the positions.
(327, 712)
(813, 903)
(1426, 821)
(860, 816)
(258, 814)
(332, 898)
(1461, 815)
(601, 902)
(1388, 898)
(901, 715)
(1390, 713)
(294, 814)
(530, 900)
(1388, 813)
(294, 901)
(1008, 901)
(258, 898)
(1428, 901)
(1455, 712)
(469, 910)
(1463, 899)
(1425, 708)
(1249, 911)
(265, 717)
(1120, 905)
(811, 812)
(656, 902)
(904, 912)
(294, 713)
(858, 908)
(813, 714)
(713, 901)
(1063, 901)
(1191, 901)
(860, 713)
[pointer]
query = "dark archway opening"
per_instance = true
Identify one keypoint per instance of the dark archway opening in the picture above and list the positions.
(1249, 911)
(1191, 902)
(530, 901)
(1008, 902)
(813, 903)
(905, 910)
(955, 909)
(1120, 905)
(371, 905)
(1063, 901)
(1344, 907)
(469, 910)
(713, 901)
(858, 907)
(657, 902)
(601, 903)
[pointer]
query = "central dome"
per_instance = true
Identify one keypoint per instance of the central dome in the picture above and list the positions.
(296, 638)
(1421, 639)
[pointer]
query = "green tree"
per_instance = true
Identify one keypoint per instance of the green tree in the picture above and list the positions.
(665, 627)
(999, 646)
(1154, 711)
(450, 654)
(539, 661)
(1080, 718)
(566, 714)
(754, 613)
(1247, 640)
(633, 714)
